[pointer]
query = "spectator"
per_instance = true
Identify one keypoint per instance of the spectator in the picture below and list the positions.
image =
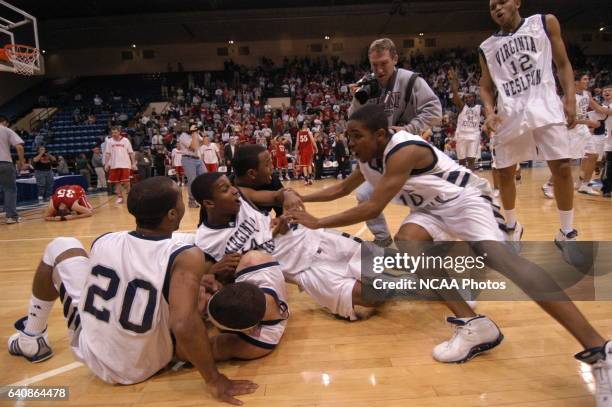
(44, 175)
(177, 165)
(342, 153)
(84, 169)
(230, 153)
(98, 166)
(144, 163)
(189, 146)
(159, 160)
(62, 166)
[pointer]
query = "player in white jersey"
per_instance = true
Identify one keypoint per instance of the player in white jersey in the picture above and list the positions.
(467, 135)
(324, 264)
(607, 179)
(126, 303)
(446, 198)
(585, 141)
(517, 62)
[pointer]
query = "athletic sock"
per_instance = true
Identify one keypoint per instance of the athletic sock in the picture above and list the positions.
(510, 215)
(566, 220)
(38, 313)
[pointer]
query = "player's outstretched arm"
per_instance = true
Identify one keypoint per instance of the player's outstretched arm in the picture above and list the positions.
(452, 76)
(231, 346)
(564, 69)
(81, 212)
(399, 167)
(338, 190)
(286, 197)
(487, 95)
(50, 212)
(189, 329)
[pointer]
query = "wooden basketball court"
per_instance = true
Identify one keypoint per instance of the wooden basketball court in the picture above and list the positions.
(322, 361)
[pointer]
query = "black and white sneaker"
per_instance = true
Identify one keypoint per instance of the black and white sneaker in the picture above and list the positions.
(566, 242)
(35, 348)
(472, 337)
(600, 360)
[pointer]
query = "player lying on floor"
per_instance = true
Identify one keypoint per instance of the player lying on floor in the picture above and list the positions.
(125, 302)
(447, 199)
(324, 264)
(68, 202)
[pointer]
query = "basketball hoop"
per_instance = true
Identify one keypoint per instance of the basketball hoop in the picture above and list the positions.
(23, 58)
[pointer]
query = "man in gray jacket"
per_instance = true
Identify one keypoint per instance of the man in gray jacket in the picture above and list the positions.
(409, 103)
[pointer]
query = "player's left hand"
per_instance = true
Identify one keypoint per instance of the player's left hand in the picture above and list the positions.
(303, 218)
(569, 108)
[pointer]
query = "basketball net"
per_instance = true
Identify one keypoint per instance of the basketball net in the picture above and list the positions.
(23, 58)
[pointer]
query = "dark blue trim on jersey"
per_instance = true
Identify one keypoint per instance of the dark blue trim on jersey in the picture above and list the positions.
(503, 34)
(231, 224)
(544, 25)
(255, 268)
(143, 237)
(348, 236)
(98, 238)
(166, 286)
(254, 341)
(465, 180)
(415, 171)
(453, 176)
(281, 304)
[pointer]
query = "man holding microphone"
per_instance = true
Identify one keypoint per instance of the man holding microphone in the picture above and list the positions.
(409, 103)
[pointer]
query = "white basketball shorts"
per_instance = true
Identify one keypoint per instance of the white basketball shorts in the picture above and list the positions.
(467, 148)
(552, 143)
(471, 218)
(595, 145)
(333, 273)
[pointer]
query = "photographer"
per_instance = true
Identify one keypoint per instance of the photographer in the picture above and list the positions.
(409, 103)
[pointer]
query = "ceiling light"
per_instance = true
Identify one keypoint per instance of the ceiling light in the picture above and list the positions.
(133, 45)
(602, 29)
(327, 37)
(230, 42)
(421, 34)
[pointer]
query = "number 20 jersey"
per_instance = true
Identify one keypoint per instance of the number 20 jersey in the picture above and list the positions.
(520, 65)
(124, 306)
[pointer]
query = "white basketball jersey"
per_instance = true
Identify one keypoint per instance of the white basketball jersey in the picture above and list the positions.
(124, 312)
(468, 123)
(249, 231)
(520, 64)
(271, 280)
(431, 188)
(295, 249)
(582, 113)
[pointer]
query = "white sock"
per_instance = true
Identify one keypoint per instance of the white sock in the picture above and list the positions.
(566, 220)
(38, 313)
(510, 215)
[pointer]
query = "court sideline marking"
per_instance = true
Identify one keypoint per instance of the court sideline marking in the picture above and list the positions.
(48, 374)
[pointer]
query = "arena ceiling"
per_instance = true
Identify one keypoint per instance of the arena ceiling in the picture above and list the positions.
(106, 23)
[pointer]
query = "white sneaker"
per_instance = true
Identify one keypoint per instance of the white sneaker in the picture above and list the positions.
(601, 361)
(585, 189)
(496, 193)
(119, 201)
(548, 191)
(34, 348)
(472, 336)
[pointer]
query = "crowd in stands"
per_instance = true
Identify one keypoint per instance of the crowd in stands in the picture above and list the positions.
(233, 105)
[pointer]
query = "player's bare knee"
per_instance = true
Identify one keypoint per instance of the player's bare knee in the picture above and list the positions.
(254, 258)
(63, 248)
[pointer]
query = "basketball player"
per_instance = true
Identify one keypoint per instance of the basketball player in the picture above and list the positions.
(126, 302)
(68, 202)
(177, 157)
(251, 313)
(585, 144)
(517, 61)
(447, 200)
(467, 135)
(324, 264)
(305, 149)
(119, 161)
(210, 154)
(607, 104)
(280, 153)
